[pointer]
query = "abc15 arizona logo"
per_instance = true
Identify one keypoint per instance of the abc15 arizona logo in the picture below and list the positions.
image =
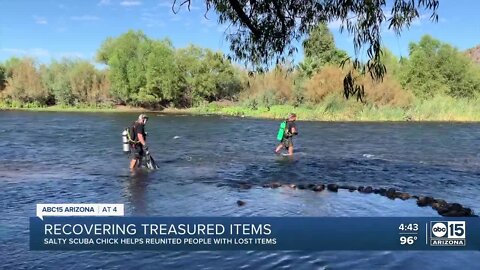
(448, 233)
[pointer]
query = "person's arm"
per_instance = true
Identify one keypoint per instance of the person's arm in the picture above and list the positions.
(141, 139)
(294, 129)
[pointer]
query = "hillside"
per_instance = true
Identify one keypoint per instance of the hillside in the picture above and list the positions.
(474, 53)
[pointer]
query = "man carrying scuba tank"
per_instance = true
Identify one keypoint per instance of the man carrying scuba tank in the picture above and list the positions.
(137, 140)
(285, 135)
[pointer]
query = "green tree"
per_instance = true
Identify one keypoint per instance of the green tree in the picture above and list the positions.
(392, 63)
(435, 68)
(163, 75)
(320, 45)
(320, 50)
(56, 79)
(208, 75)
(82, 79)
(127, 58)
(219, 70)
(10, 64)
(458, 71)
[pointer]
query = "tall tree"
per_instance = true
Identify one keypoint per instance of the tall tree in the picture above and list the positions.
(320, 46)
(126, 57)
(56, 79)
(208, 75)
(163, 76)
(320, 50)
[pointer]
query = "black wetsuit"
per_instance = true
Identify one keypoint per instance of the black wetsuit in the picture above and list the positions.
(137, 148)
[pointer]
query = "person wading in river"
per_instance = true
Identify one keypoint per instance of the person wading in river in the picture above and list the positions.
(290, 131)
(137, 139)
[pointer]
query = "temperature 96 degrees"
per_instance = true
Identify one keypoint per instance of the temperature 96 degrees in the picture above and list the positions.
(408, 240)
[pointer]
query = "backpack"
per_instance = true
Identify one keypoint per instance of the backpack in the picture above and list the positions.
(281, 130)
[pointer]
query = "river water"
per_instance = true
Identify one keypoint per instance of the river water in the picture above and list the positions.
(77, 158)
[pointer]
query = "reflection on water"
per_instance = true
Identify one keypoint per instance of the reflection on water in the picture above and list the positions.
(136, 191)
(56, 158)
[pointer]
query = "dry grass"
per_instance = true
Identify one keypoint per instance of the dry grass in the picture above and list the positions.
(388, 92)
(328, 81)
(275, 86)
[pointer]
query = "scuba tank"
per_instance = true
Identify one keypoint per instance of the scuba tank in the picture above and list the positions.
(281, 130)
(126, 146)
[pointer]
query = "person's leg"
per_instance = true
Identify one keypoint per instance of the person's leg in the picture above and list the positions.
(135, 154)
(289, 145)
(133, 163)
(141, 156)
(279, 148)
(290, 150)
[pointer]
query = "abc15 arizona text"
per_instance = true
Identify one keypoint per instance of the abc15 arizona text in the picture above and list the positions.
(448, 233)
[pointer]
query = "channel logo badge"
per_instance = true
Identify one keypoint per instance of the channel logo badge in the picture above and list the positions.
(448, 233)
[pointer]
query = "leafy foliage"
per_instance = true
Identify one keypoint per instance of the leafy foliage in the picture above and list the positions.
(73, 82)
(151, 72)
(435, 68)
(24, 83)
(3, 77)
(320, 46)
(127, 58)
(266, 31)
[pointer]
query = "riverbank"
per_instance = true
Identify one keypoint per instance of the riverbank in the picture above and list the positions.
(437, 109)
(58, 108)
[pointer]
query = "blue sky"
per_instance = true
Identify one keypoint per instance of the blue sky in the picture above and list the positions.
(51, 29)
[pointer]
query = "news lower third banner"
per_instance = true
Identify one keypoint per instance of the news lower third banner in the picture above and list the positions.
(120, 233)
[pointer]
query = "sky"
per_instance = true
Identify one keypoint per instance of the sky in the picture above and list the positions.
(53, 29)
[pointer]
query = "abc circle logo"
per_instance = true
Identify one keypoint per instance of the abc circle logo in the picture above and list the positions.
(439, 229)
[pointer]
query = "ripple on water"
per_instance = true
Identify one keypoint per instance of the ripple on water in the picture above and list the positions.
(202, 168)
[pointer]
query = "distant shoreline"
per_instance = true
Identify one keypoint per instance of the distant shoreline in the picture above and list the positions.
(279, 112)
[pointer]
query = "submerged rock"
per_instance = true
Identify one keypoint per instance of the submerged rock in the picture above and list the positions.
(443, 208)
(464, 212)
(403, 195)
(454, 210)
(424, 201)
(440, 205)
(391, 193)
(332, 187)
(301, 186)
(382, 191)
(368, 189)
(272, 185)
(241, 203)
(318, 188)
(455, 206)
